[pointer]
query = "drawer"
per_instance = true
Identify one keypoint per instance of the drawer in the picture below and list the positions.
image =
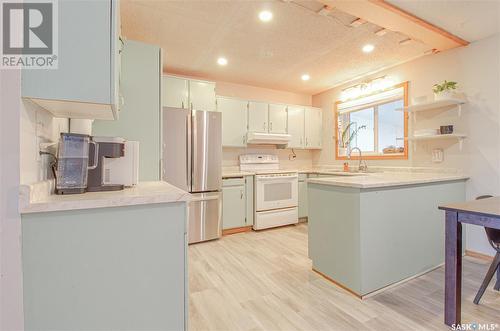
(237, 181)
(274, 218)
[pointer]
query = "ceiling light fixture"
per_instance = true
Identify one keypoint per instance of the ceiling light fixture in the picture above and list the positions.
(305, 77)
(368, 48)
(265, 16)
(222, 61)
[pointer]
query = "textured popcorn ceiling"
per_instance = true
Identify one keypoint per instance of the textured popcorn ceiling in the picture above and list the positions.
(193, 34)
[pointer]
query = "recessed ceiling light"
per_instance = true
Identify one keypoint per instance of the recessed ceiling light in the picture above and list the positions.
(222, 61)
(368, 48)
(265, 16)
(305, 77)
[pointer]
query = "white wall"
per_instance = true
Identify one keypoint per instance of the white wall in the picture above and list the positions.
(477, 69)
(11, 297)
(37, 126)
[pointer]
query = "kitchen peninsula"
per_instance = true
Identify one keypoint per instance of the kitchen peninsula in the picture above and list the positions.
(104, 260)
(369, 231)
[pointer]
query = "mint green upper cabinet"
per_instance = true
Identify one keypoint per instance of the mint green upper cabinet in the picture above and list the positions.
(179, 92)
(202, 95)
(296, 126)
(258, 116)
(86, 82)
(277, 118)
(233, 203)
(175, 92)
(313, 128)
(234, 121)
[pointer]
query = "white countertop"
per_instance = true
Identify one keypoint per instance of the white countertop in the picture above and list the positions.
(386, 179)
(36, 198)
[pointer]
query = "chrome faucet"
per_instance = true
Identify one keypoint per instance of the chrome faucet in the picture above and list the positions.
(361, 167)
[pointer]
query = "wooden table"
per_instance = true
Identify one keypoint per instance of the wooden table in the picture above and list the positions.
(484, 212)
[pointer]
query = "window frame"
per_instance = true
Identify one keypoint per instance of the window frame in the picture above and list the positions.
(374, 155)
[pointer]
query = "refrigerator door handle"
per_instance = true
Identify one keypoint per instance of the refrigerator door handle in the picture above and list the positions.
(188, 149)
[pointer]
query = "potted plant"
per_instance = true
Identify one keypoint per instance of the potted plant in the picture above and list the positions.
(348, 136)
(445, 90)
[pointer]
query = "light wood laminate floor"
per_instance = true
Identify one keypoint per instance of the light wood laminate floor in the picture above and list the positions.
(263, 281)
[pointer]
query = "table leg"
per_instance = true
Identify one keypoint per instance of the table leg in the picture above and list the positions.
(453, 269)
(497, 284)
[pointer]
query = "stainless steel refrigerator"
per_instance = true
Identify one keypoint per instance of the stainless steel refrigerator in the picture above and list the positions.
(192, 161)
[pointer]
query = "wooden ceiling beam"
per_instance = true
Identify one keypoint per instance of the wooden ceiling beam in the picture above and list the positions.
(388, 16)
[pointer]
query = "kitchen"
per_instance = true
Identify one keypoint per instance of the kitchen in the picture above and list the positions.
(284, 163)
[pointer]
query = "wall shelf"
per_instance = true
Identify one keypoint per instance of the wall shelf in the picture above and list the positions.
(459, 137)
(433, 105)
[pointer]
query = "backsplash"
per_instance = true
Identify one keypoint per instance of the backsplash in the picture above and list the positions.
(303, 157)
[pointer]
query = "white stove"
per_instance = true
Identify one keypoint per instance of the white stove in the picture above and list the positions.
(276, 191)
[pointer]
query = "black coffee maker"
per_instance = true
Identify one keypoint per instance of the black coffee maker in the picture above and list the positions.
(107, 147)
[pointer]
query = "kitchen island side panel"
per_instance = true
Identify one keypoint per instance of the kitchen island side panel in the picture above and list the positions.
(334, 246)
(402, 231)
(120, 268)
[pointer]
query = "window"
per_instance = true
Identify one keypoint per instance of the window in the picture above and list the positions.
(375, 124)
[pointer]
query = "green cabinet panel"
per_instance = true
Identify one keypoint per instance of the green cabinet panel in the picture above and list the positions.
(86, 82)
(121, 268)
(233, 203)
(367, 239)
(140, 118)
(303, 212)
(250, 199)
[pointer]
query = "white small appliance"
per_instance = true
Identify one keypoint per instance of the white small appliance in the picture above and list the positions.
(123, 170)
(276, 191)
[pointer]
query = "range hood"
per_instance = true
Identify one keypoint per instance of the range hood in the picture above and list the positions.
(268, 138)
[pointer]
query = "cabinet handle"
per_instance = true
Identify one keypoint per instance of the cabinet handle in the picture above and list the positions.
(182, 104)
(243, 139)
(307, 143)
(264, 126)
(241, 194)
(271, 126)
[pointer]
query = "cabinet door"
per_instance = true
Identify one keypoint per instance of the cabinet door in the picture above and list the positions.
(257, 116)
(277, 119)
(296, 126)
(175, 92)
(303, 203)
(202, 95)
(234, 121)
(83, 85)
(249, 192)
(313, 128)
(233, 206)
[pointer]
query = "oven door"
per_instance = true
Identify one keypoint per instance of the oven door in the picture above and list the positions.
(276, 191)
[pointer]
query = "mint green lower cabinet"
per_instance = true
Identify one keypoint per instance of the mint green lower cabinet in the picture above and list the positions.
(120, 268)
(233, 203)
(250, 200)
(303, 199)
(367, 239)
